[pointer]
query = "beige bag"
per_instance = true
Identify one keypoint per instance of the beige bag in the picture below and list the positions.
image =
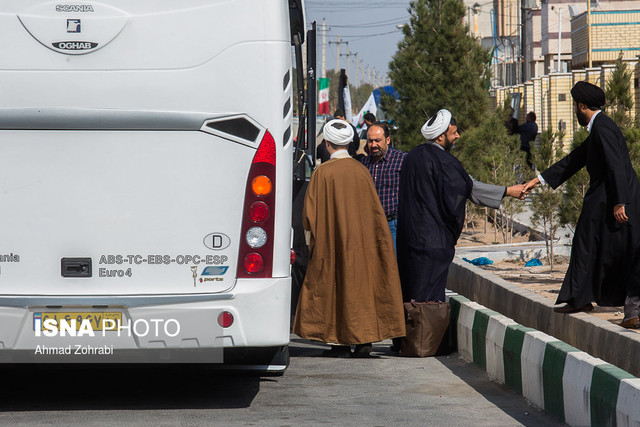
(426, 324)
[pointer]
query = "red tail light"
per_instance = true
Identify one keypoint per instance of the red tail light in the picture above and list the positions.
(259, 208)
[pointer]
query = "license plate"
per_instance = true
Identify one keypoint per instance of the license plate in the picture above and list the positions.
(97, 320)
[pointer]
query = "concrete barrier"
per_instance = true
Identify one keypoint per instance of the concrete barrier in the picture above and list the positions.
(533, 349)
(575, 387)
(494, 346)
(588, 333)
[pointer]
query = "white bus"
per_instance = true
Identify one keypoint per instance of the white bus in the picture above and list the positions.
(145, 181)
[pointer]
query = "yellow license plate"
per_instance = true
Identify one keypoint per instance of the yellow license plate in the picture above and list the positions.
(97, 320)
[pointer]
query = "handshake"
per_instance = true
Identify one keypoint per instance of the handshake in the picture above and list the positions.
(521, 190)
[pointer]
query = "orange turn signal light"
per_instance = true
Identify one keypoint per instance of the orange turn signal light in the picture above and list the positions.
(261, 185)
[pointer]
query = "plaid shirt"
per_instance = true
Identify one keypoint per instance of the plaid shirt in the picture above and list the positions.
(386, 177)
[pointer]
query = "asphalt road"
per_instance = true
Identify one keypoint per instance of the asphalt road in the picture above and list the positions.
(383, 390)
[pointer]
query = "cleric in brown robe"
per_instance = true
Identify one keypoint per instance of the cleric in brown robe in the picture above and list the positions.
(605, 255)
(351, 292)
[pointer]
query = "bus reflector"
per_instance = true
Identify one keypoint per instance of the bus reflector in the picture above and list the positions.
(259, 211)
(292, 257)
(225, 319)
(253, 263)
(261, 185)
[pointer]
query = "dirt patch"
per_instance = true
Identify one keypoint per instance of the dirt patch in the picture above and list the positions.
(478, 238)
(539, 279)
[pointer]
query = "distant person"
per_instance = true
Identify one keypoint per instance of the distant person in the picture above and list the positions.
(528, 132)
(434, 189)
(351, 292)
(369, 119)
(384, 164)
(322, 152)
(605, 255)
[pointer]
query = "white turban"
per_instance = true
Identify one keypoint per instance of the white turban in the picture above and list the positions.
(436, 125)
(338, 132)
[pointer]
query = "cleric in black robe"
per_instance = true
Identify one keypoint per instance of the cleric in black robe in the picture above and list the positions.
(434, 188)
(604, 265)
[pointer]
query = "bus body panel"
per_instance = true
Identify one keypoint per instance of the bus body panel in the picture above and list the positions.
(140, 198)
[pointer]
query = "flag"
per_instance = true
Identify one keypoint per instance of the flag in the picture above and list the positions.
(369, 107)
(323, 95)
(342, 82)
(347, 104)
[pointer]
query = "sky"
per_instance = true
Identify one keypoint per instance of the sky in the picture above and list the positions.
(369, 27)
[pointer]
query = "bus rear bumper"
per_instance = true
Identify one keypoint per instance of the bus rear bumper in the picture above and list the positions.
(183, 331)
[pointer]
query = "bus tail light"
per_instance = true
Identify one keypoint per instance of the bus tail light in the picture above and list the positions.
(255, 258)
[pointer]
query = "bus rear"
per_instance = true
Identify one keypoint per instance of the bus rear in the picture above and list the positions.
(145, 181)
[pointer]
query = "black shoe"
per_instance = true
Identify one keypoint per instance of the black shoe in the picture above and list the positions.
(363, 350)
(567, 309)
(339, 351)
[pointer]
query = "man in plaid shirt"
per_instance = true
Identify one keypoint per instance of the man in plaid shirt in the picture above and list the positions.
(384, 163)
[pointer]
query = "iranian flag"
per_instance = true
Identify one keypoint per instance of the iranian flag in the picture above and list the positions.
(323, 96)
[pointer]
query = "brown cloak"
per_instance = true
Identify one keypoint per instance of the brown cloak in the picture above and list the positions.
(351, 293)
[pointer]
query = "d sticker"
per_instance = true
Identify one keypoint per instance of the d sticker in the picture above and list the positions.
(217, 241)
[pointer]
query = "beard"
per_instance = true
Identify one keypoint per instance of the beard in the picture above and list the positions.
(448, 145)
(582, 118)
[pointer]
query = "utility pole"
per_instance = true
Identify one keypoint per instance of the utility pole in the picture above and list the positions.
(338, 53)
(559, 37)
(323, 73)
(357, 72)
(348, 55)
(589, 33)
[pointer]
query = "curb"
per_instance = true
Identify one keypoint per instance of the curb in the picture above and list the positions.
(569, 384)
(588, 333)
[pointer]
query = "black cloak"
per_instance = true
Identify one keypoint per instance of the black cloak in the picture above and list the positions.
(434, 188)
(605, 263)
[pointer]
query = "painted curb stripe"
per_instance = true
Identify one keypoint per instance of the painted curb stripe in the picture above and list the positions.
(576, 387)
(605, 384)
(479, 335)
(533, 350)
(494, 344)
(627, 407)
(513, 340)
(555, 355)
(571, 385)
(451, 335)
(465, 329)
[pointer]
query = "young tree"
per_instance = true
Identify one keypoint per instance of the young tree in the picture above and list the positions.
(545, 202)
(437, 65)
(618, 94)
(575, 188)
(493, 156)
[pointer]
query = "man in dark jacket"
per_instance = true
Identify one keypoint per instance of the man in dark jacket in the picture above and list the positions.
(605, 256)
(434, 188)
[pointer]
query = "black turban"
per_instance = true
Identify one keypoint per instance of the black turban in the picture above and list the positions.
(589, 94)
